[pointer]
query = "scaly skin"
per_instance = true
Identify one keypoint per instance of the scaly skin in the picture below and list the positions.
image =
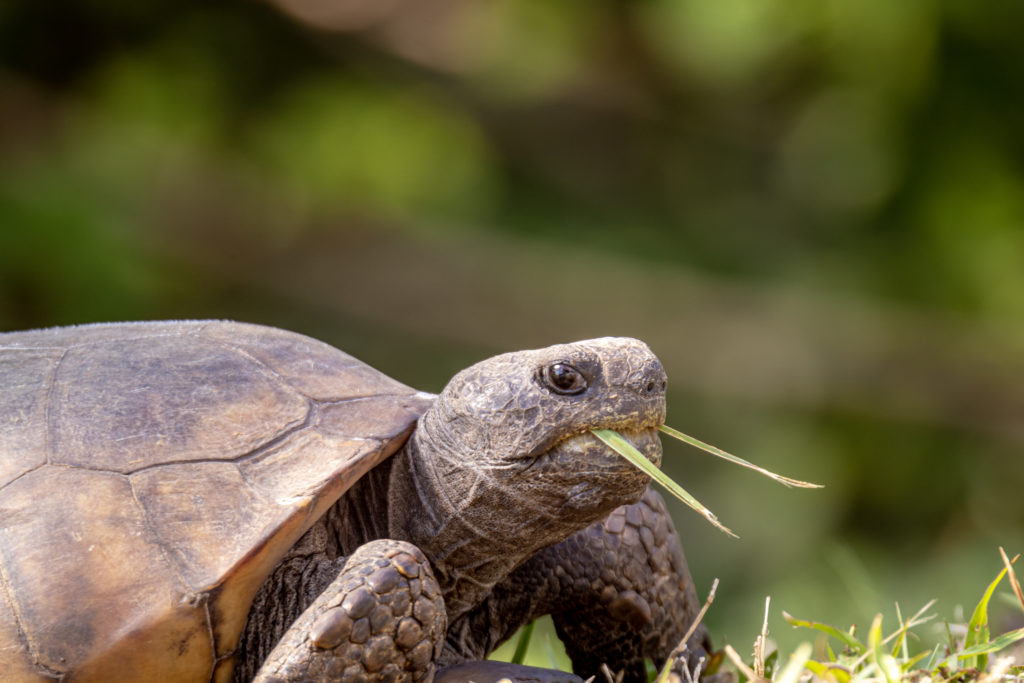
(499, 472)
(381, 619)
(618, 591)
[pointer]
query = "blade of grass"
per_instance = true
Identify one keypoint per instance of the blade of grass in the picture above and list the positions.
(666, 670)
(761, 642)
(900, 647)
(794, 667)
(737, 661)
(828, 672)
(994, 645)
(616, 442)
(909, 663)
(686, 438)
(843, 637)
(771, 663)
(914, 621)
(650, 670)
(524, 643)
(1014, 583)
(977, 627)
(933, 658)
(884, 661)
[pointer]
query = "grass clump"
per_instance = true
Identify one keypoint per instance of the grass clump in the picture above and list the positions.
(878, 658)
(888, 658)
(841, 656)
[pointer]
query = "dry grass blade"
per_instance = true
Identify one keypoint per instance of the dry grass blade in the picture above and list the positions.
(618, 443)
(737, 661)
(612, 678)
(1014, 583)
(761, 643)
(678, 650)
(686, 438)
(793, 669)
(999, 671)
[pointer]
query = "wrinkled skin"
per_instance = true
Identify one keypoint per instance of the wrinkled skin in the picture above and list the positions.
(501, 469)
(502, 466)
(619, 592)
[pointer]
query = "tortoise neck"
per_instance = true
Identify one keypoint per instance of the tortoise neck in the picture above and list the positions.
(470, 547)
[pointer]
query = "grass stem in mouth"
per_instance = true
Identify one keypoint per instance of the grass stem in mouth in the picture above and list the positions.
(686, 438)
(620, 445)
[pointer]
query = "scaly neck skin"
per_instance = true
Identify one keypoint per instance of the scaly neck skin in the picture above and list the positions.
(503, 463)
(469, 556)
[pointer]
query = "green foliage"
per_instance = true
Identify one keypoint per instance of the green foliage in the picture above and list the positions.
(965, 659)
(812, 210)
(879, 657)
(370, 149)
(543, 648)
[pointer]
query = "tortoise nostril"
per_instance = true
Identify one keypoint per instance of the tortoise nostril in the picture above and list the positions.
(650, 387)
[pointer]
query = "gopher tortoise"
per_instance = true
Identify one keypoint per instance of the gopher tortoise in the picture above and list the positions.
(216, 501)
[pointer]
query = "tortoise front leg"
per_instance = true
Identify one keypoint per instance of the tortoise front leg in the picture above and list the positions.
(619, 592)
(382, 619)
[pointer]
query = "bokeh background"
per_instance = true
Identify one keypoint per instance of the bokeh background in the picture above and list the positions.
(812, 210)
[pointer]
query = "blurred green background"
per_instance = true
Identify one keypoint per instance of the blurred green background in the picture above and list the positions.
(812, 210)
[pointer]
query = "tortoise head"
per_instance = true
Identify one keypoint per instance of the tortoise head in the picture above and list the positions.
(505, 454)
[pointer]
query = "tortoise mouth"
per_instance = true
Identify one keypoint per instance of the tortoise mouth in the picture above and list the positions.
(593, 454)
(602, 479)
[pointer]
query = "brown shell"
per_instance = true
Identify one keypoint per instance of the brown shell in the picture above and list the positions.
(151, 476)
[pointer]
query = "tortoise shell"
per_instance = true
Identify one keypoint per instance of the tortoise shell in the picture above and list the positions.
(153, 474)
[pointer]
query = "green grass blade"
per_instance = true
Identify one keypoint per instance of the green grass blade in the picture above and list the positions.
(977, 628)
(523, 645)
(900, 647)
(843, 637)
(686, 438)
(827, 672)
(933, 658)
(790, 673)
(910, 662)
(651, 670)
(884, 661)
(616, 442)
(993, 645)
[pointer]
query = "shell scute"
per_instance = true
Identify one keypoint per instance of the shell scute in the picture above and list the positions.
(124, 405)
(314, 368)
(85, 575)
(152, 475)
(22, 420)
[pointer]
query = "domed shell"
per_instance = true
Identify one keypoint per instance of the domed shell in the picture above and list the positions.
(153, 474)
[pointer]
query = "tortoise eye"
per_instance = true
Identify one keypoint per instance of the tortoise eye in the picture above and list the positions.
(563, 378)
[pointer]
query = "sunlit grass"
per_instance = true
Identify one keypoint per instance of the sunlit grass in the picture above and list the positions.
(736, 460)
(523, 644)
(889, 658)
(621, 446)
(627, 451)
(837, 655)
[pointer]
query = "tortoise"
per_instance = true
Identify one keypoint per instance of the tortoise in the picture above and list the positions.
(217, 501)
